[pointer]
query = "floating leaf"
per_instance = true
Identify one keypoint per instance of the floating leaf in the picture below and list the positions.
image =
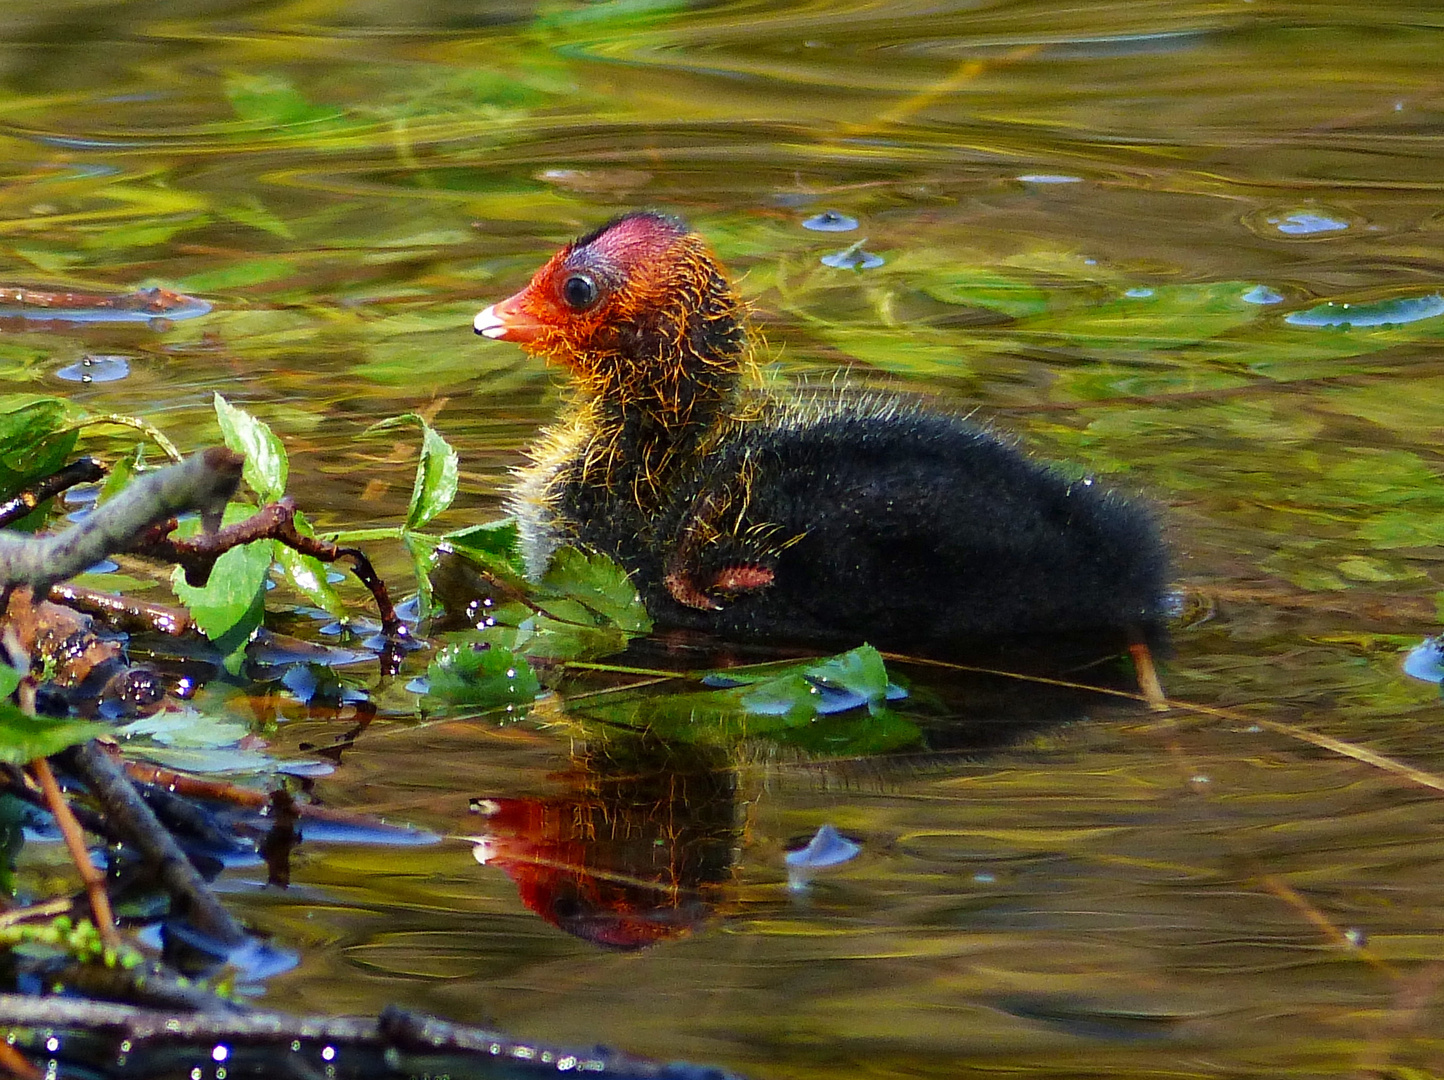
(599, 584)
(187, 729)
(814, 705)
(269, 101)
(251, 211)
(911, 352)
(266, 465)
(983, 288)
(239, 274)
(474, 672)
(1159, 317)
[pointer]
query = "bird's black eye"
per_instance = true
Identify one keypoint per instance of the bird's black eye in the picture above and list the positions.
(579, 292)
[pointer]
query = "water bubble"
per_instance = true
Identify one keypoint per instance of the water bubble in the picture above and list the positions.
(96, 369)
(1300, 222)
(830, 221)
(1050, 178)
(1261, 294)
(1304, 223)
(853, 258)
(828, 847)
(1139, 293)
(1426, 661)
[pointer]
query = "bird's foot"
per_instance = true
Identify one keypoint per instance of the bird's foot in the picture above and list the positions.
(729, 581)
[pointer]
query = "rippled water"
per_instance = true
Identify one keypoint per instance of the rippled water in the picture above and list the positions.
(1126, 231)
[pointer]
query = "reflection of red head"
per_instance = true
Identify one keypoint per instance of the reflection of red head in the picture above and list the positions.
(619, 873)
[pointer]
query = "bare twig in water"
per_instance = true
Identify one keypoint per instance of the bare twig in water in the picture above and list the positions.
(394, 1031)
(125, 612)
(85, 471)
(75, 843)
(1147, 672)
(202, 482)
(13, 1062)
(140, 827)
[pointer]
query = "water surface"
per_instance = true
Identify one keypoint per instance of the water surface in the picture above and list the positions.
(1124, 231)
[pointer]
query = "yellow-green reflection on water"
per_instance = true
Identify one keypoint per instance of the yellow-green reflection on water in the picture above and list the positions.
(1073, 203)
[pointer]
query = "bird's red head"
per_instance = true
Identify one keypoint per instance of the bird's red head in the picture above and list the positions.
(625, 306)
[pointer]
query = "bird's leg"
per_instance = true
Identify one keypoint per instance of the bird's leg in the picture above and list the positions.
(731, 581)
(719, 554)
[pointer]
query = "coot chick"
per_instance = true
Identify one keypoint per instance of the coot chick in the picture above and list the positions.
(820, 517)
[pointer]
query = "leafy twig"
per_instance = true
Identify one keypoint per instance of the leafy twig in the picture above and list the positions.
(274, 521)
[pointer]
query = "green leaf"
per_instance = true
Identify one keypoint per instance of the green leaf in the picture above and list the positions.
(230, 606)
(9, 679)
(26, 424)
(422, 549)
(266, 466)
(120, 473)
(598, 583)
(860, 672)
(436, 472)
(308, 573)
(473, 672)
(781, 703)
(251, 211)
(24, 738)
(31, 446)
(491, 539)
(904, 352)
(1155, 317)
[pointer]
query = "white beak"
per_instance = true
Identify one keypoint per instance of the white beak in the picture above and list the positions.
(488, 324)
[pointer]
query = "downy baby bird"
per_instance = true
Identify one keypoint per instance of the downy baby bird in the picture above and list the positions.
(814, 517)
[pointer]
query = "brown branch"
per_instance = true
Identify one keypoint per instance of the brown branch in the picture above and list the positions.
(75, 842)
(124, 612)
(17, 1065)
(85, 471)
(275, 521)
(395, 1031)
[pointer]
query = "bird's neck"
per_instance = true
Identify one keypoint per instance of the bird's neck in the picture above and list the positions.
(662, 404)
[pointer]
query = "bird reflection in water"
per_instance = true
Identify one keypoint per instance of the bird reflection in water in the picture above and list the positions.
(633, 851)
